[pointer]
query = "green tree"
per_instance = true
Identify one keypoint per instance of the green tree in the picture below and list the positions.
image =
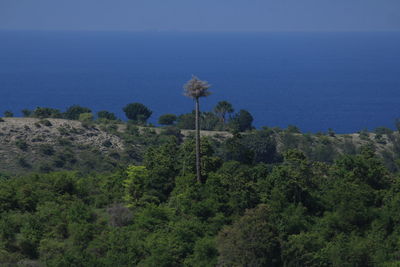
(195, 89)
(137, 112)
(222, 108)
(186, 121)
(251, 241)
(209, 121)
(242, 121)
(161, 162)
(167, 119)
(43, 112)
(86, 117)
(26, 112)
(104, 114)
(8, 114)
(73, 112)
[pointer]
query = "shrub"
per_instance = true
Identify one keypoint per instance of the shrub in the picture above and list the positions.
(59, 161)
(167, 119)
(8, 114)
(379, 139)
(107, 143)
(364, 135)
(42, 113)
(115, 155)
(64, 142)
(331, 133)
(119, 215)
(21, 145)
(86, 117)
(26, 112)
(383, 130)
(24, 163)
(45, 167)
(293, 129)
(73, 112)
(104, 114)
(46, 149)
(46, 123)
(174, 131)
(186, 121)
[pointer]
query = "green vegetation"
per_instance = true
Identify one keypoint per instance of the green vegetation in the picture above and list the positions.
(100, 192)
(43, 112)
(8, 114)
(222, 109)
(104, 114)
(73, 112)
(167, 119)
(137, 112)
(295, 212)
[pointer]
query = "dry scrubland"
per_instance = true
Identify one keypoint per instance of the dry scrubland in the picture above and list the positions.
(30, 142)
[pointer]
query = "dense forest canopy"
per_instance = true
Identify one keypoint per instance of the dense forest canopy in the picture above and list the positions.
(270, 197)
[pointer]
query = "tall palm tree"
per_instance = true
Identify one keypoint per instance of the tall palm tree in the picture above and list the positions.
(222, 108)
(196, 88)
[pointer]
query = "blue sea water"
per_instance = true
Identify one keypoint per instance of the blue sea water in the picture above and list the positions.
(344, 81)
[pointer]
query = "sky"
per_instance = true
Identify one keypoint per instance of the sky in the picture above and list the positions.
(201, 15)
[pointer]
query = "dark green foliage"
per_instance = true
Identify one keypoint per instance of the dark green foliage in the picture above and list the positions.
(263, 146)
(22, 145)
(242, 121)
(26, 112)
(107, 143)
(24, 163)
(46, 149)
(208, 121)
(137, 112)
(73, 112)
(43, 112)
(235, 149)
(364, 135)
(45, 123)
(293, 129)
(252, 241)
(8, 114)
(310, 207)
(222, 109)
(104, 114)
(383, 130)
(186, 121)
(167, 119)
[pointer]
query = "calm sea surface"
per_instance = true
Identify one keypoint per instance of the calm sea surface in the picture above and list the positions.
(344, 81)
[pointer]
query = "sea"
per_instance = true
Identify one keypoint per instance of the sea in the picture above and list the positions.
(347, 81)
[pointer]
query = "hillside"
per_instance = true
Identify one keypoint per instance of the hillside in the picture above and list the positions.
(30, 144)
(131, 197)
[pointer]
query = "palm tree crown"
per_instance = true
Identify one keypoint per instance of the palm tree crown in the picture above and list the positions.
(196, 88)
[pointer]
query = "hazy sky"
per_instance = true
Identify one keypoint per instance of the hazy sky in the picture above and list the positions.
(201, 15)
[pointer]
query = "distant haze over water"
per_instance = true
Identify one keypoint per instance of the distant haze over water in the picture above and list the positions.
(345, 81)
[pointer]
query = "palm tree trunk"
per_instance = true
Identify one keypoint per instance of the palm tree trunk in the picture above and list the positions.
(198, 165)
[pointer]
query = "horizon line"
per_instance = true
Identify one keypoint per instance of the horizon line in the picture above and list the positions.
(202, 31)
